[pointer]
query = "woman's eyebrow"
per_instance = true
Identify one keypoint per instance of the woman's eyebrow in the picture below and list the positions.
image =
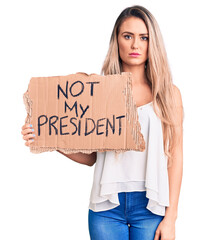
(133, 33)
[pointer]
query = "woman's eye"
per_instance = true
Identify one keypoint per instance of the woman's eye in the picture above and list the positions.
(145, 38)
(127, 36)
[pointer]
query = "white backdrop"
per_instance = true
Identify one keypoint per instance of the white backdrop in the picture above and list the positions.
(46, 196)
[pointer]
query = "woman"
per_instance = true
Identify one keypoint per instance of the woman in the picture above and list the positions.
(136, 196)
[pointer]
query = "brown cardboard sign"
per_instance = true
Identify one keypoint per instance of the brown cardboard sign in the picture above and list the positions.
(83, 113)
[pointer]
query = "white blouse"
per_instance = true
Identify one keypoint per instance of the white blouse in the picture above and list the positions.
(134, 170)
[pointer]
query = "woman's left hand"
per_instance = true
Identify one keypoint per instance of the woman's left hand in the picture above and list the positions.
(165, 230)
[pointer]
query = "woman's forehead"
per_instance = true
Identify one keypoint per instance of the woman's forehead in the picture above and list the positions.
(133, 25)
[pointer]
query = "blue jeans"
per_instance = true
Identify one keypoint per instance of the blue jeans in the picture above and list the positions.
(131, 220)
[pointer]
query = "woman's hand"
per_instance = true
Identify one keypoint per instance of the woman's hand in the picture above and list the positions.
(166, 230)
(87, 159)
(28, 134)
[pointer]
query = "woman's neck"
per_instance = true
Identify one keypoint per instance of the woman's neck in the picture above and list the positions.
(138, 73)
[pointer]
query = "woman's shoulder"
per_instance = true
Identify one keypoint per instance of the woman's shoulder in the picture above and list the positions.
(177, 95)
(178, 105)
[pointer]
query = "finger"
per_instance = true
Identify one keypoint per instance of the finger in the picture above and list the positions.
(27, 131)
(27, 143)
(157, 235)
(26, 125)
(29, 136)
(27, 128)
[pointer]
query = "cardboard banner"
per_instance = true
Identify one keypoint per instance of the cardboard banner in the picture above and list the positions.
(83, 113)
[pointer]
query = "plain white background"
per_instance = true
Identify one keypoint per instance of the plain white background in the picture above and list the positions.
(46, 196)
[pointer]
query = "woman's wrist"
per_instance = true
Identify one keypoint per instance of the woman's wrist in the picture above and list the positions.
(171, 213)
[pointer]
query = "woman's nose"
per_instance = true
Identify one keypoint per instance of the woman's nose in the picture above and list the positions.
(135, 43)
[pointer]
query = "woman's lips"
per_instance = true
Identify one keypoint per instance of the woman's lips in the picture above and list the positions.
(134, 54)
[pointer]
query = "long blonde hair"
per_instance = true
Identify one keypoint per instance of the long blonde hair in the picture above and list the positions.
(156, 67)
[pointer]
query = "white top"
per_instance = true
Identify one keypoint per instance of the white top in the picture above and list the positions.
(134, 170)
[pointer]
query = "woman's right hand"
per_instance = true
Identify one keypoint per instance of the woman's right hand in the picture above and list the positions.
(28, 134)
(86, 159)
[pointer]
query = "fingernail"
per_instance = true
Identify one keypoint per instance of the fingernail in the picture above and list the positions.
(34, 135)
(30, 125)
(32, 140)
(32, 130)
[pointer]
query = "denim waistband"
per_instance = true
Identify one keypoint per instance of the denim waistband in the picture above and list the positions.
(130, 201)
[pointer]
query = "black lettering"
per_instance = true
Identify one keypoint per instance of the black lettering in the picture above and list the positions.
(79, 127)
(60, 89)
(91, 131)
(120, 125)
(73, 124)
(99, 126)
(111, 126)
(67, 106)
(91, 91)
(83, 111)
(41, 124)
(51, 124)
(62, 126)
(70, 89)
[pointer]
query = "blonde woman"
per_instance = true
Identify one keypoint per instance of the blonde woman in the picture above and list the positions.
(136, 195)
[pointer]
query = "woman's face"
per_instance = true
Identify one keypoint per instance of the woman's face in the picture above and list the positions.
(133, 38)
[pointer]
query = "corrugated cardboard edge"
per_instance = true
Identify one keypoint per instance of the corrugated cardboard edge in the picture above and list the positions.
(131, 115)
(28, 106)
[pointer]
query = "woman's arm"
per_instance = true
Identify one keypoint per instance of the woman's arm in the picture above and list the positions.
(166, 229)
(83, 158)
(176, 170)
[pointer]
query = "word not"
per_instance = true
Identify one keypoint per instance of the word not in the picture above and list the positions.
(65, 92)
